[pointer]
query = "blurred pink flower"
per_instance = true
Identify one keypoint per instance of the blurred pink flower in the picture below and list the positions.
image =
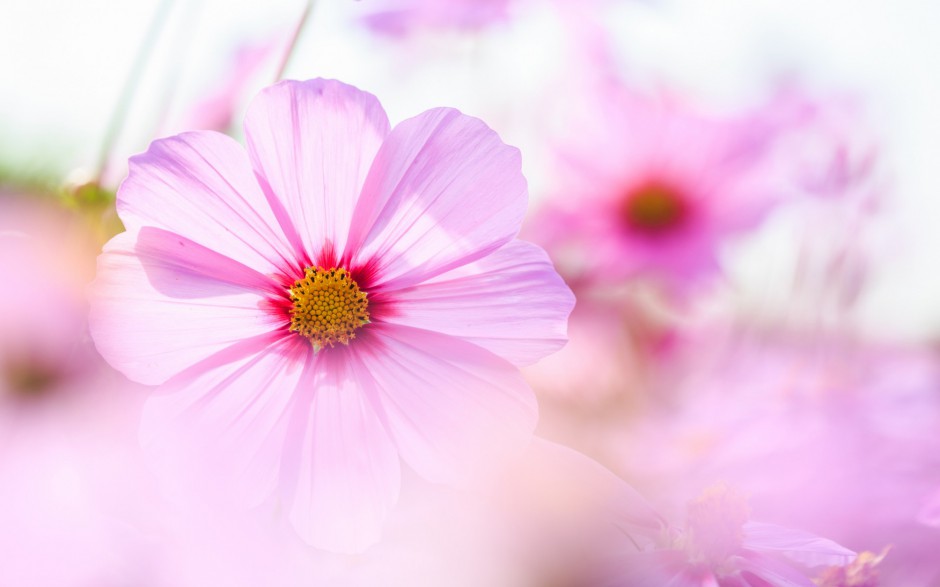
(563, 514)
(339, 296)
(721, 547)
(831, 435)
(577, 523)
(46, 259)
(653, 187)
(929, 513)
(76, 505)
(862, 572)
(400, 17)
(621, 349)
(598, 359)
(216, 109)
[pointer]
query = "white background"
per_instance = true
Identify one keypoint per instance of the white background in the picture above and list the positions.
(63, 64)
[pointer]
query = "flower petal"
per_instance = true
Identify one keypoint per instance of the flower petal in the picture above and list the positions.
(454, 410)
(162, 303)
(929, 513)
(443, 191)
(199, 185)
(511, 303)
(623, 505)
(312, 143)
(655, 568)
(770, 570)
(218, 428)
(347, 469)
(799, 546)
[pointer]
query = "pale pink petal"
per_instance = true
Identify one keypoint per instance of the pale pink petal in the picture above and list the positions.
(218, 429)
(929, 513)
(454, 410)
(444, 191)
(311, 144)
(567, 508)
(162, 303)
(626, 508)
(799, 546)
(511, 303)
(666, 568)
(771, 570)
(200, 186)
(347, 469)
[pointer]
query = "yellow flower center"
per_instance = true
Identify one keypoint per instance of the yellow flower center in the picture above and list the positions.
(328, 307)
(862, 572)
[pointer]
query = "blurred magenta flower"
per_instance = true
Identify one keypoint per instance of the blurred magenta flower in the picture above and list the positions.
(653, 187)
(563, 514)
(832, 435)
(339, 296)
(400, 17)
(617, 344)
(46, 259)
(929, 513)
(216, 109)
(76, 504)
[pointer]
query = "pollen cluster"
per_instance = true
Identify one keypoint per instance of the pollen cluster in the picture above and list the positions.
(328, 307)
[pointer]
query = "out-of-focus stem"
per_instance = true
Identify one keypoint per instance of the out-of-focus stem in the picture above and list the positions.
(130, 85)
(289, 50)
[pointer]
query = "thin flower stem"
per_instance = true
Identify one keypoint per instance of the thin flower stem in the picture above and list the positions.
(289, 50)
(130, 86)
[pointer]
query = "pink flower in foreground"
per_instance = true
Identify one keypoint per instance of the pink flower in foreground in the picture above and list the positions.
(339, 296)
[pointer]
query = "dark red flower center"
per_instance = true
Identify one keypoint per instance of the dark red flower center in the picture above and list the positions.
(654, 208)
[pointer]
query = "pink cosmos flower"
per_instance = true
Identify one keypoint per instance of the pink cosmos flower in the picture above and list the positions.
(339, 297)
(654, 187)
